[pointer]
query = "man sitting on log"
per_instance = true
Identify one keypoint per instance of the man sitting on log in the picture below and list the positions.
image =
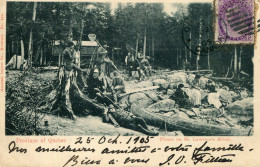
(95, 84)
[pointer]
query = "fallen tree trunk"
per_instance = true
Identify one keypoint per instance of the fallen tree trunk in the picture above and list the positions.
(189, 127)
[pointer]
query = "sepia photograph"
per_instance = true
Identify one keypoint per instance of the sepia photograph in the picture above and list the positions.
(129, 69)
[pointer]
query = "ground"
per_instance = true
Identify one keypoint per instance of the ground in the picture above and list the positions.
(41, 82)
(88, 125)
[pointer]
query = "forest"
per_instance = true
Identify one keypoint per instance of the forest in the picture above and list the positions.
(140, 25)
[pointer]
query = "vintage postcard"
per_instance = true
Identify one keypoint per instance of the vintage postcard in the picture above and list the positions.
(129, 83)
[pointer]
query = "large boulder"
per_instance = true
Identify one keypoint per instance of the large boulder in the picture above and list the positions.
(225, 95)
(190, 78)
(123, 102)
(140, 99)
(242, 107)
(202, 82)
(144, 84)
(162, 83)
(166, 105)
(170, 92)
(177, 78)
(152, 94)
(243, 94)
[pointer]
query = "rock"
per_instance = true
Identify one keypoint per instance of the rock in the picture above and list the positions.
(243, 94)
(170, 92)
(241, 107)
(144, 84)
(163, 77)
(234, 95)
(140, 99)
(202, 82)
(225, 95)
(188, 112)
(168, 114)
(196, 111)
(162, 83)
(183, 115)
(166, 104)
(210, 111)
(190, 78)
(122, 102)
(194, 95)
(177, 77)
(152, 95)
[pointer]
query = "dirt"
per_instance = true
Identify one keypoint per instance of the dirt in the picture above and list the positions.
(92, 126)
(89, 125)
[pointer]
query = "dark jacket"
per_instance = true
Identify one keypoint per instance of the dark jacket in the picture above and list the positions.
(92, 84)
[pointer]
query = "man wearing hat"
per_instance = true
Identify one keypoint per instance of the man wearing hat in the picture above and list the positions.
(95, 84)
(101, 61)
(69, 57)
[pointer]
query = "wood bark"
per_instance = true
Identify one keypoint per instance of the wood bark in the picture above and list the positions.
(187, 126)
(239, 60)
(22, 51)
(199, 46)
(235, 61)
(136, 47)
(153, 48)
(144, 49)
(30, 50)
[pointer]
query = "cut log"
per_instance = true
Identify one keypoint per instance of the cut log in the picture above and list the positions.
(188, 126)
(138, 90)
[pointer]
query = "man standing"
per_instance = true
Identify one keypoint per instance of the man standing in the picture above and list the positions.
(69, 56)
(102, 60)
(133, 65)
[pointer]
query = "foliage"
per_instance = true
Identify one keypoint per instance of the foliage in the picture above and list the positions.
(23, 94)
(66, 21)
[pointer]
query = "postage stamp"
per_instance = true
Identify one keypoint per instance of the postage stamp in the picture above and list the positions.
(235, 21)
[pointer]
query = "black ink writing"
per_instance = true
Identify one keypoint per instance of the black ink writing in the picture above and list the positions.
(127, 151)
(74, 160)
(12, 147)
(64, 149)
(129, 160)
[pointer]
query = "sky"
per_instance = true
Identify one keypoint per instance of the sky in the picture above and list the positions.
(169, 8)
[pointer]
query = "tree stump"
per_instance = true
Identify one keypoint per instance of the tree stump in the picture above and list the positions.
(67, 98)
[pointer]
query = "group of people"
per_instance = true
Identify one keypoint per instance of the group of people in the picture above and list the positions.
(99, 85)
(192, 96)
(139, 63)
(103, 88)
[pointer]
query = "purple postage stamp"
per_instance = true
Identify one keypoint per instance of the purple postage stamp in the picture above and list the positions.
(234, 21)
